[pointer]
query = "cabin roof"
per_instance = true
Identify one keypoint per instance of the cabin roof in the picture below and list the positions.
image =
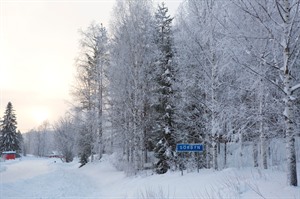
(8, 152)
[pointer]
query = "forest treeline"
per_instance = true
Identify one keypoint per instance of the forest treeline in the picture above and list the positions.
(218, 72)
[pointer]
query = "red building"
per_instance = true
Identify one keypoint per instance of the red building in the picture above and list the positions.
(9, 155)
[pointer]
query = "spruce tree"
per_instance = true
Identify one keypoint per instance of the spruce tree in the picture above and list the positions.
(10, 140)
(165, 146)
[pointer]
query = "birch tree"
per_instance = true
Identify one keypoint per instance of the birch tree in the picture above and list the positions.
(201, 22)
(66, 137)
(132, 51)
(90, 87)
(279, 21)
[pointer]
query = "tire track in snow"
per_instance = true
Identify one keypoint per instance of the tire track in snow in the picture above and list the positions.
(51, 180)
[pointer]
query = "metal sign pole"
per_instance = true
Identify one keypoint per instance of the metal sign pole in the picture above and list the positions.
(188, 148)
(182, 164)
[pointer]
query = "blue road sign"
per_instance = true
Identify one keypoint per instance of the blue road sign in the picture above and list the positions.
(189, 147)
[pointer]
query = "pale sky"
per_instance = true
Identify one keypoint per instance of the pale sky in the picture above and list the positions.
(38, 46)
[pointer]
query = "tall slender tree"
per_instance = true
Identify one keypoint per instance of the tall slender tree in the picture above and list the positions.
(133, 52)
(164, 126)
(205, 63)
(280, 27)
(90, 88)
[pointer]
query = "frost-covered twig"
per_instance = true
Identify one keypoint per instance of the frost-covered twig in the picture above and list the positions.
(256, 190)
(151, 194)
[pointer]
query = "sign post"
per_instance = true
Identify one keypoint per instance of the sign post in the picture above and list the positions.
(188, 148)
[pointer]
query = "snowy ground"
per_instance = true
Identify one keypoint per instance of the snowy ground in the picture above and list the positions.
(42, 178)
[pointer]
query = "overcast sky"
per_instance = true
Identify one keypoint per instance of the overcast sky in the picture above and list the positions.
(38, 46)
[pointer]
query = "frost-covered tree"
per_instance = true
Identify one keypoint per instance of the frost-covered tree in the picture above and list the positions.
(203, 63)
(10, 139)
(132, 61)
(250, 51)
(101, 84)
(66, 137)
(164, 107)
(280, 29)
(192, 112)
(40, 141)
(21, 140)
(43, 140)
(89, 90)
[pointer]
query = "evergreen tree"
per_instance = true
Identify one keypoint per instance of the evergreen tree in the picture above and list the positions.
(21, 141)
(165, 148)
(10, 140)
(84, 145)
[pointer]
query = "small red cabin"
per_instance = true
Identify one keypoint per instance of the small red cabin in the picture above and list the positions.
(9, 155)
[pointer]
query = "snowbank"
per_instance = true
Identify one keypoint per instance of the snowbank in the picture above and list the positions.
(50, 178)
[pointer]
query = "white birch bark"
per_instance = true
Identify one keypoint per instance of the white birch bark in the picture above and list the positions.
(241, 139)
(288, 111)
(262, 133)
(281, 26)
(214, 122)
(100, 76)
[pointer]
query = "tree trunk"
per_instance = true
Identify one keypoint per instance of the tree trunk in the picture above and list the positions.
(288, 111)
(136, 153)
(263, 136)
(208, 155)
(241, 138)
(215, 126)
(100, 128)
(225, 154)
(215, 154)
(264, 153)
(255, 154)
(290, 134)
(127, 152)
(263, 142)
(100, 109)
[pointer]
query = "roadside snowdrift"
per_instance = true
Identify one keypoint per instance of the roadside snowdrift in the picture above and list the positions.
(50, 178)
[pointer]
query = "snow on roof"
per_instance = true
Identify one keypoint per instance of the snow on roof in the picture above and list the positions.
(8, 152)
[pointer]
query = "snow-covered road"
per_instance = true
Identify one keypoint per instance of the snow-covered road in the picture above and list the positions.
(43, 178)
